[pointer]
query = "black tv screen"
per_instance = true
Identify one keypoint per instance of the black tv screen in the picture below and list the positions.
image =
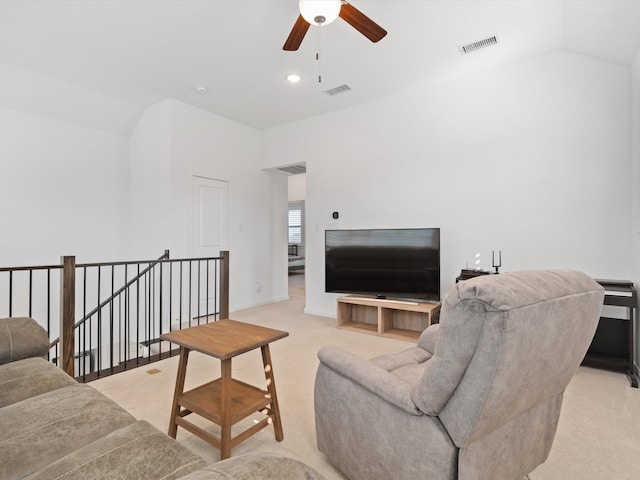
(393, 263)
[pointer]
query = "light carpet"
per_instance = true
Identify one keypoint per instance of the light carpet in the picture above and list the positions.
(598, 436)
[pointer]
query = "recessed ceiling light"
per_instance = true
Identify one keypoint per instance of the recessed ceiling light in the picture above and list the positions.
(201, 89)
(293, 78)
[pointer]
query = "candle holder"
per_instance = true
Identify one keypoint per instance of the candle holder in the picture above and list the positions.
(493, 260)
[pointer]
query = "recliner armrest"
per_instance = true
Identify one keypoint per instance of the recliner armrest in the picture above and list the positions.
(370, 376)
(21, 337)
(428, 338)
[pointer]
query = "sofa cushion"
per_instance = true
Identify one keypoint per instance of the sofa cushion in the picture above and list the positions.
(40, 430)
(256, 466)
(30, 377)
(21, 337)
(137, 451)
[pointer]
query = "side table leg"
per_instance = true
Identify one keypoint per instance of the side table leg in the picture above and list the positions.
(225, 428)
(271, 388)
(175, 408)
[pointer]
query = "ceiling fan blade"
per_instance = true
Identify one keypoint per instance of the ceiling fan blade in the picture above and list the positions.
(297, 34)
(362, 23)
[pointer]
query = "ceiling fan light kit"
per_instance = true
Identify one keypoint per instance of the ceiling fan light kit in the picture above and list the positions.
(319, 12)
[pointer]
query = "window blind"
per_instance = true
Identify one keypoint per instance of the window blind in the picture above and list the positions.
(295, 226)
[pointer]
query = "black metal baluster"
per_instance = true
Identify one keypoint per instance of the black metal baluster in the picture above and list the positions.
(138, 318)
(84, 324)
(170, 295)
(180, 300)
(215, 293)
(111, 347)
(10, 293)
(199, 275)
(99, 327)
(147, 284)
(30, 293)
(160, 311)
(126, 316)
(207, 289)
(190, 291)
(49, 308)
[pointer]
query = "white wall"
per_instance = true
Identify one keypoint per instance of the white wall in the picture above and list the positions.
(27, 91)
(63, 190)
(635, 185)
(174, 142)
(149, 196)
(531, 159)
(297, 185)
(214, 147)
(68, 189)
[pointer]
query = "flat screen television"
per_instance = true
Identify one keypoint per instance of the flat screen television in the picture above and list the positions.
(385, 263)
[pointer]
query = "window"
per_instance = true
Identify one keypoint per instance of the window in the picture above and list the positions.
(295, 225)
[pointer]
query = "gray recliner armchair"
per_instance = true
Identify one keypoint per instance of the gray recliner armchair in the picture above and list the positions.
(478, 398)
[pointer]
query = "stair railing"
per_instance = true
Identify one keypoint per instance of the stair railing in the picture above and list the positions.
(123, 330)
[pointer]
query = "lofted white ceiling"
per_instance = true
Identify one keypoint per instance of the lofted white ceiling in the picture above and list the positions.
(76, 55)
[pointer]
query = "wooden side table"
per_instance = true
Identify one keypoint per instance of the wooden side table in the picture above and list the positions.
(225, 401)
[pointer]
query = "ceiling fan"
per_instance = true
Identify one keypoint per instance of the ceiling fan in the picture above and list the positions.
(323, 12)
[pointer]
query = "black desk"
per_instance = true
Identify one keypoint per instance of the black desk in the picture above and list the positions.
(613, 345)
(467, 273)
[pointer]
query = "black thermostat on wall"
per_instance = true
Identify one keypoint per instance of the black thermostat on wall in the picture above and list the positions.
(335, 215)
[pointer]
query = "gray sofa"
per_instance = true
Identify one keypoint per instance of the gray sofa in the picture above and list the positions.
(478, 398)
(53, 427)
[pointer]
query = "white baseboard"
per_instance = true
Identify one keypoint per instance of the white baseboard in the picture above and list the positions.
(320, 313)
(237, 308)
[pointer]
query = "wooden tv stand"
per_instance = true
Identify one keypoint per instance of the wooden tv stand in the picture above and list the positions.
(389, 318)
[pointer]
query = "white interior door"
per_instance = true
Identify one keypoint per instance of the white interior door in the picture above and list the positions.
(209, 234)
(209, 216)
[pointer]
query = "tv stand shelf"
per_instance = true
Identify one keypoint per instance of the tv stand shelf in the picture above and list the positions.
(390, 318)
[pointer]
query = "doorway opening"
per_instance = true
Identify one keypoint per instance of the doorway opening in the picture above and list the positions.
(297, 189)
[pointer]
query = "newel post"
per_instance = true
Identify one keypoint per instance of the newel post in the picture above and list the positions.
(224, 285)
(67, 314)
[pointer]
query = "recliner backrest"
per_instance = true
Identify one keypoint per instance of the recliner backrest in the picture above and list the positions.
(506, 343)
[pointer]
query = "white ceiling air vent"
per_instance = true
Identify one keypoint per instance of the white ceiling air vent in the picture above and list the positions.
(337, 90)
(293, 169)
(477, 45)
